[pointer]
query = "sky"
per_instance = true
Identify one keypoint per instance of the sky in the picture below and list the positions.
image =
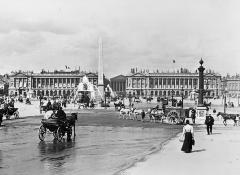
(148, 34)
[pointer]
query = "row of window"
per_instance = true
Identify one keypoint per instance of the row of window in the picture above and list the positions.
(53, 82)
(169, 93)
(155, 82)
(235, 86)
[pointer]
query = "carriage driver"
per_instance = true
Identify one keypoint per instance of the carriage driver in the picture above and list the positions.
(61, 115)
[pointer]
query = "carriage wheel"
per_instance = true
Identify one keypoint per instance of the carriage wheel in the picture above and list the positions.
(172, 116)
(42, 133)
(7, 117)
(59, 134)
(16, 115)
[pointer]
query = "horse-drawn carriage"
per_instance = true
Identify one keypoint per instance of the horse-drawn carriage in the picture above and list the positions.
(58, 127)
(156, 115)
(176, 115)
(10, 111)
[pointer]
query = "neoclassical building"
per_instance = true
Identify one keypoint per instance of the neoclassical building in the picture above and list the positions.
(231, 85)
(145, 83)
(57, 83)
(118, 84)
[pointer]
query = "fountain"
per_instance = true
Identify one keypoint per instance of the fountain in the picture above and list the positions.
(111, 91)
(87, 91)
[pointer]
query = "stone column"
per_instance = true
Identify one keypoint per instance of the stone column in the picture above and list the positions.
(119, 86)
(201, 109)
(201, 84)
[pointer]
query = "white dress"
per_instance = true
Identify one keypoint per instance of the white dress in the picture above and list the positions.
(187, 128)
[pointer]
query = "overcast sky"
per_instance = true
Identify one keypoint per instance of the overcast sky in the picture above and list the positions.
(50, 34)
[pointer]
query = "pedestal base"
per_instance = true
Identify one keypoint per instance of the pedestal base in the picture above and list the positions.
(201, 112)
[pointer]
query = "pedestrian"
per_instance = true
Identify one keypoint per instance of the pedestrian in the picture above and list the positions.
(209, 122)
(143, 115)
(188, 138)
(237, 120)
(164, 108)
(193, 115)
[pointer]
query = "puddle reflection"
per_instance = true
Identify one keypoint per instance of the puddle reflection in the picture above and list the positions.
(55, 155)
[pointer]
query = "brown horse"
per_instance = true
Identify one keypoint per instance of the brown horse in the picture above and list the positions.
(226, 117)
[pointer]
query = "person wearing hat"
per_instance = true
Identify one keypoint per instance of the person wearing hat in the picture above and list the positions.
(209, 122)
(188, 138)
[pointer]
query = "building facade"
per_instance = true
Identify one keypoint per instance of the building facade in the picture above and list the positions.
(4, 84)
(231, 85)
(164, 84)
(57, 83)
(118, 84)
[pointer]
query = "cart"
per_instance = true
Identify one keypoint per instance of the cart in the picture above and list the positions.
(57, 127)
(176, 115)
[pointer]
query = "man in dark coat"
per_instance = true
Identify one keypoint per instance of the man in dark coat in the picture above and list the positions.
(193, 115)
(61, 115)
(209, 122)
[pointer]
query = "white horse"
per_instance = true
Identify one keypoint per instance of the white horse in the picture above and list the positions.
(136, 112)
(123, 112)
(156, 115)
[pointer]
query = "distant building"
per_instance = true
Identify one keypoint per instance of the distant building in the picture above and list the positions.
(57, 83)
(4, 83)
(145, 83)
(118, 84)
(231, 84)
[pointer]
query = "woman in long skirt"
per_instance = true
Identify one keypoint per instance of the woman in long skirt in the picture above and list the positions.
(188, 139)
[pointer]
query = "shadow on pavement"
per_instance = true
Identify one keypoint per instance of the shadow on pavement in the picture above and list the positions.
(198, 150)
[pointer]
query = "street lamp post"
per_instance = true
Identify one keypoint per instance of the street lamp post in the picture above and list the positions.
(40, 102)
(224, 105)
(182, 92)
(225, 99)
(206, 94)
(172, 96)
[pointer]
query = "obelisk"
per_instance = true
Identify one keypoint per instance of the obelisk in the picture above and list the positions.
(100, 68)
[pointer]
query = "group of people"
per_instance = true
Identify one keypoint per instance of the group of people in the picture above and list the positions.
(6, 108)
(56, 114)
(53, 104)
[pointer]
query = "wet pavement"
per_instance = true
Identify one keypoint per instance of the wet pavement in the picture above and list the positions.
(94, 150)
